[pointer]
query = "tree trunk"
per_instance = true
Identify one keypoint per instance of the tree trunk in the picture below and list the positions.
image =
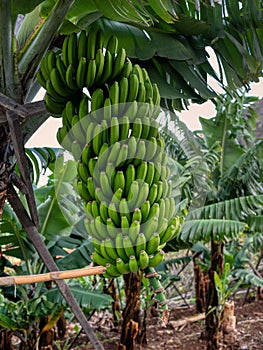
(5, 153)
(131, 312)
(213, 318)
(116, 308)
(5, 340)
(201, 287)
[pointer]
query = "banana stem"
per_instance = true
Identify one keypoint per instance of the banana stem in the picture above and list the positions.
(158, 292)
(35, 49)
(6, 52)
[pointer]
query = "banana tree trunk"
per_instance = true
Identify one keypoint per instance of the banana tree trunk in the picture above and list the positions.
(214, 334)
(4, 165)
(131, 312)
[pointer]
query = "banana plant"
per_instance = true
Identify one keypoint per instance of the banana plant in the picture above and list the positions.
(169, 38)
(233, 192)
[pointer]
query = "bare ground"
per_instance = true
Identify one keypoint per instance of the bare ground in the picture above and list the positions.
(188, 336)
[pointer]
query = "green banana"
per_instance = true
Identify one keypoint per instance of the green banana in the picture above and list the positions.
(143, 194)
(122, 267)
(150, 173)
(151, 149)
(156, 259)
(141, 171)
(133, 87)
(108, 67)
(53, 106)
(99, 259)
(124, 89)
(113, 214)
(143, 260)
(149, 227)
(124, 209)
(140, 153)
(134, 231)
(58, 84)
(127, 69)
(61, 69)
(141, 96)
(119, 62)
(145, 128)
(129, 178)
(51, 60)
(100, 61)
(128, 246)
(140, 244)
(112, 45)
(88, 210)
(91, 43)
(119, 181)
(145, 209)
(83, 111)
(114, 151)
(137, 128)
(132, 148)
(111, 271)
(105, 185)
(97, 100)
(97, 139)
(103, 211)
(107, 110)
(153, 243)
(114, 92)
(124, 225)
(95, 209)
(110, 248)
(137, 215)
(40, 79)
(83, 171)
(111, 229)
(81, 72)
(114, 130)
(120, 247)
(157, 172)
(83, 191)
(92, 165)
(133, 265)
(72, 50)
(71, 77)
(154, 211)
(123, 156)
(91, 73)
(82, 44)
(124, 125)
(133, 195)
(96, 244)
(91, 187)
(117, 196)
(131, 110)
(65, 51)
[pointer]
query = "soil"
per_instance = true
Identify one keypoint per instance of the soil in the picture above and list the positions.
(249, 330)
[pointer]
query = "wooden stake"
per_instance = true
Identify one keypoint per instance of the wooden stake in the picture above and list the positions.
(51, 276)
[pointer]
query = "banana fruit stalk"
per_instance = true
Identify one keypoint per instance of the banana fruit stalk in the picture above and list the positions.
(111, 130)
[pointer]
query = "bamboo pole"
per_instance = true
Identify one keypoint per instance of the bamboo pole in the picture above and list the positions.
(51, 276)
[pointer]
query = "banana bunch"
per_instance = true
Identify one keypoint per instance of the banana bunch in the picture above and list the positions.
(122, 173)
(85, 60)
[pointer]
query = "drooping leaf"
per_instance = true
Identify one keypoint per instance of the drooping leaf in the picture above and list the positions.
(93, 299)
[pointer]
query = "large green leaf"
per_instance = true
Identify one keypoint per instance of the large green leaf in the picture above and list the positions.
(93, 299)
(233, 209)
(210, 229)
